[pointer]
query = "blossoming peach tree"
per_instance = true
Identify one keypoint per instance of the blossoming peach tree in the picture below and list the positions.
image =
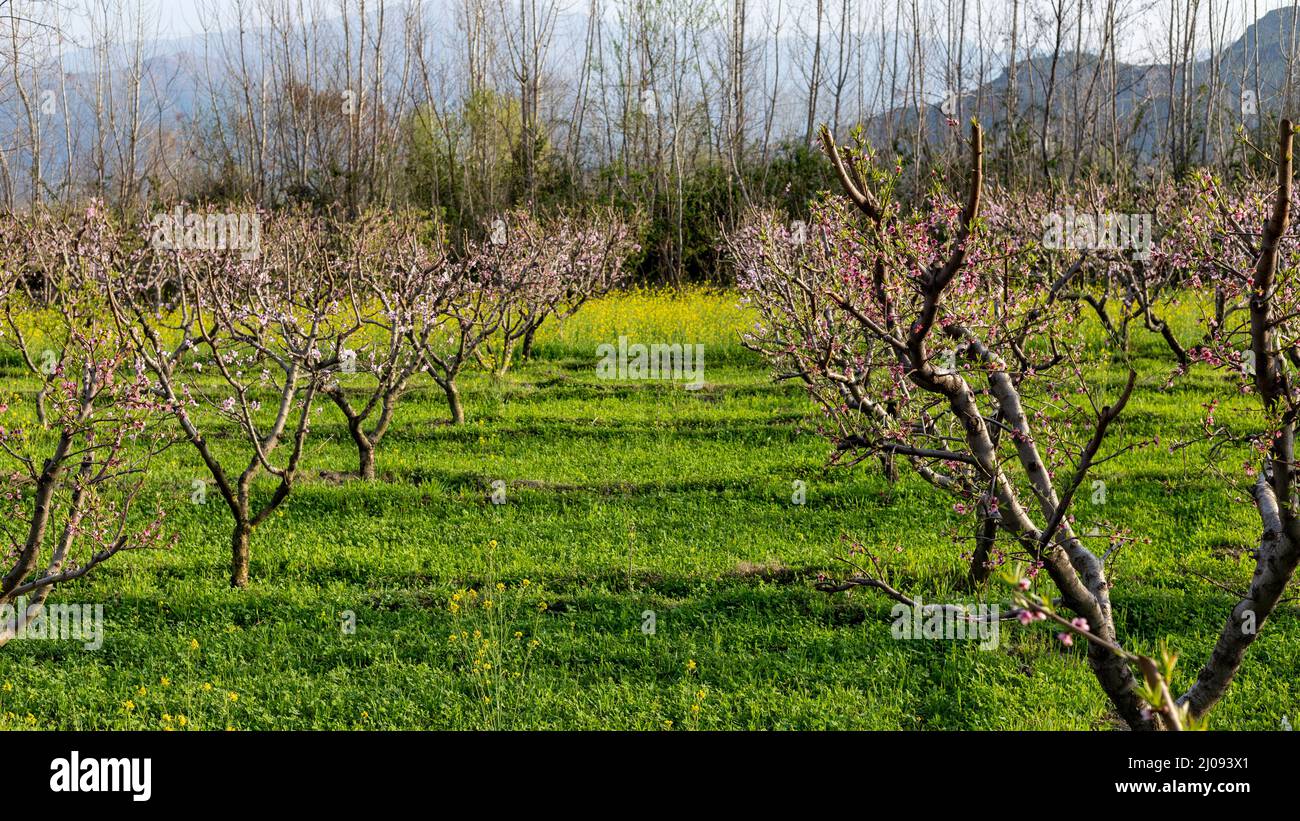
(1242, 257)
(930, 336)
(253, 340)
(70, 486)
(1097, 247)
(455, 310)
(545, 269)
(500, 289)
(590, 254)
(396, 292)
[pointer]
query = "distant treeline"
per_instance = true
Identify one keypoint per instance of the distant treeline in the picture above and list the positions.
(683, 112)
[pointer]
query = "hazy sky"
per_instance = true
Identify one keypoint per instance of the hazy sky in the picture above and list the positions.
(1144, 35)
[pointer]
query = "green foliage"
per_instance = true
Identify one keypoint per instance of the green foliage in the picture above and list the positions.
(726, 562)
(467, 162)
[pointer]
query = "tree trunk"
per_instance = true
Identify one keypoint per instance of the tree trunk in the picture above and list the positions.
(366, 459)
(239, 555)
(526, 351)
(453, 403)
(985, 536)
(1174, 345)
(889, 466)
(507, 354)
(365, 450)
(1116, 679)
(1277, 558)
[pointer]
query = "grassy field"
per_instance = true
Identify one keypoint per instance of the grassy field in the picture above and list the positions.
(623, 498)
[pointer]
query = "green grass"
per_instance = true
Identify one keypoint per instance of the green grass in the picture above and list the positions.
(624, 498)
